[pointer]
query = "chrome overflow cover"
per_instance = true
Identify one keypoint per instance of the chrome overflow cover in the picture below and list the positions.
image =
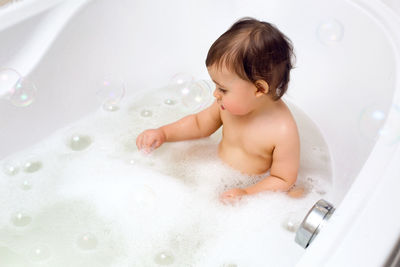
(313, 222)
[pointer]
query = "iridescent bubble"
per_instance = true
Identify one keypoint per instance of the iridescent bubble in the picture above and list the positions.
(39, 253)
(197, 95)
(291, 223)
(32, 166)
(23, 93)
(20, 219)
(164, 258)
(330, 32)
(8, 79)
(79, 142)
(146, 113)
(87, 241)
(370, 121)
(10, 169)
(181, 79)
(111, 90)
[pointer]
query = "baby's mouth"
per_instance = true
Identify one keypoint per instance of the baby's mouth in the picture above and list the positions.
(222, 107)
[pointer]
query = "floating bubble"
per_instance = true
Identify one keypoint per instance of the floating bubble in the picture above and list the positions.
(21, 219)
(23, 93)
(111, 90)
(40, 253)
(146, 113)
(87, 241)
(291, 223)
(181, 79)
(10, 169)
(330, 32)
(8, 79)
(371, 121)
(164, 258)
(32, 166)
(26, 185)
(79, 142)
(197, 95)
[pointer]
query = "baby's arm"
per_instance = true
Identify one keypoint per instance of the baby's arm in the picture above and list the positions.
(193, 126)
(285, 164)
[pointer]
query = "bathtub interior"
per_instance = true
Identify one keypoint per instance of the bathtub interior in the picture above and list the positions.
(334, 83)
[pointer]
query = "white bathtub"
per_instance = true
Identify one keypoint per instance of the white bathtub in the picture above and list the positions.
(65, 46)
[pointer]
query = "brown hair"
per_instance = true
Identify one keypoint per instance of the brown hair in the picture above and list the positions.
(255, 50)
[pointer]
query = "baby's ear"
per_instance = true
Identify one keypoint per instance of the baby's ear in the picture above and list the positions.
(262, 87)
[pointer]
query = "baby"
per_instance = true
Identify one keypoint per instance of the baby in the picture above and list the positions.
(250, 65)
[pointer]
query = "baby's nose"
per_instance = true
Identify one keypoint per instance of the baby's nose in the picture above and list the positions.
(217, 95)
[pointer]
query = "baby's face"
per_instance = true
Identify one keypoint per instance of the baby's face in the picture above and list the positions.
(233, 94)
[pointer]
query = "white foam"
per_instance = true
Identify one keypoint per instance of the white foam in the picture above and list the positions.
(137, 206)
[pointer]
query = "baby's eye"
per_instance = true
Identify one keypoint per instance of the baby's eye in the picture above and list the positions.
(222, 90)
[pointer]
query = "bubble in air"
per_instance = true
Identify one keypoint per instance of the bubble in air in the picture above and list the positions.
(8, 79)
(32, 166)
(87, 241)
(164, 258)
(23, 93)
(20, 219)
(111, 90)
(146, 113)
(197, 95)
(79, 142)
(181, 79)
(330, 32)
(370, 122)
(39, 253)
(10, 169)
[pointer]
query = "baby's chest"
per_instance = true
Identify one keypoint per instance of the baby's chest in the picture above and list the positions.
(252, 140)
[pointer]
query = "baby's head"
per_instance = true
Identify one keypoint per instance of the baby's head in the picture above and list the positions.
(254, 50)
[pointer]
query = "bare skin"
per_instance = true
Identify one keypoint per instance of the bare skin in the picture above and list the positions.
(259, 134)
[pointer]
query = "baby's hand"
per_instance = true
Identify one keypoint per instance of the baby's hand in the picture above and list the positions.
(150, 140)
(232, 196)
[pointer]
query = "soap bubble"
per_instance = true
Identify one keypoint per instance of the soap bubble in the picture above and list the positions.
(169, 102)
(370, 121)
(87, 241)
(8, 79)
(40, 253)
(79, 142)
(291, 223)
(32, 166)
(181, 79)
(26, 185)
(23, 93)
(111, 90)
(197, 95)
(164, 258)
(146, 113)
(20, 219)
(10, 169)
(144, 196)
(330, 32)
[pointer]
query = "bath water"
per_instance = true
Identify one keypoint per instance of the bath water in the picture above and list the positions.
(86, 196)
